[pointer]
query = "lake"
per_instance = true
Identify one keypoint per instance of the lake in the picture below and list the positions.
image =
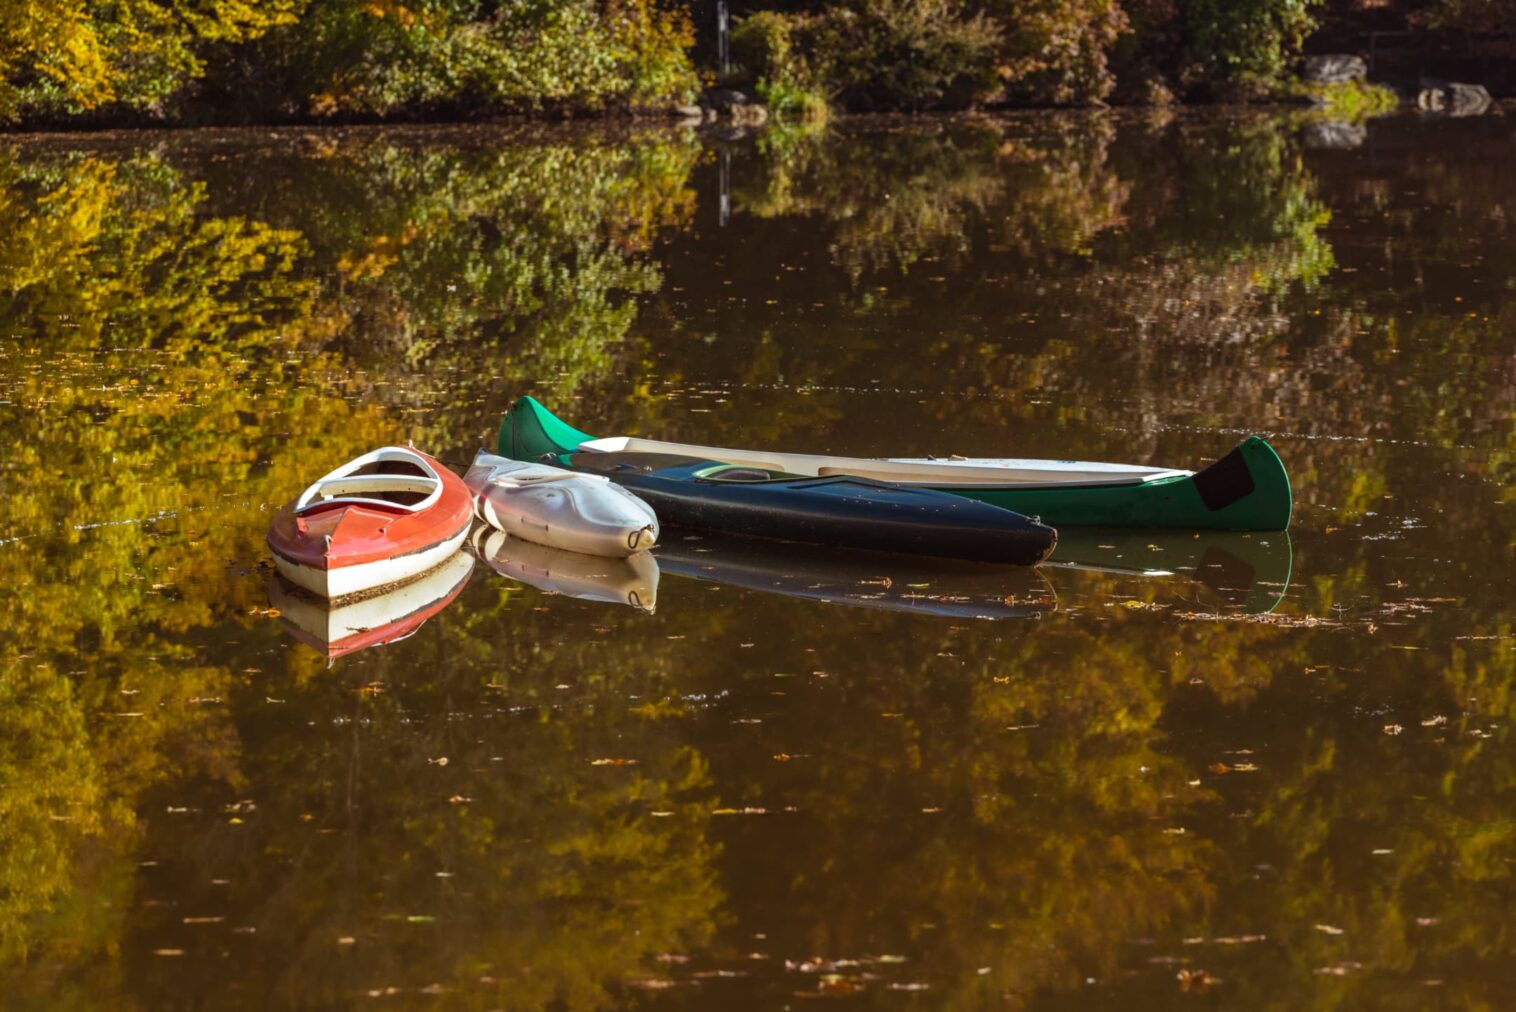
(1227, 770)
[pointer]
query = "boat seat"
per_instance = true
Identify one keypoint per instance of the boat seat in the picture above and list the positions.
(372, 483)
(389, 491)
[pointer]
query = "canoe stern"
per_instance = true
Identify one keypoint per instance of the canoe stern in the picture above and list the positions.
(529, 431)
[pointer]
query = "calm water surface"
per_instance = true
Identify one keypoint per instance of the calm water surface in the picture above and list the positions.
(1249, 772)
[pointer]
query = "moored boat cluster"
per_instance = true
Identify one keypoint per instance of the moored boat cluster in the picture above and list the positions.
(371, 550)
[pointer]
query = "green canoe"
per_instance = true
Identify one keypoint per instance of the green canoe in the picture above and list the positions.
(1246, 490)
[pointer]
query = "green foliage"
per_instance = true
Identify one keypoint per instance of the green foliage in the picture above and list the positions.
(1349, 100)
(764, 43)
(902, 54)
(1242, 48)
(278, 58)
(915, 54)
(380, 57)
(1055, 51)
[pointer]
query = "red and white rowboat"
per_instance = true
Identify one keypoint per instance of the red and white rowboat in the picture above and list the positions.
(376, 522)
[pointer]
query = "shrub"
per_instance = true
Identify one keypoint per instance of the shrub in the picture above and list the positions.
(902, 54)
(1055, 51)
(1242, 48)
(1349, 100)
(66, 57)
(765, 45)
(341, 57)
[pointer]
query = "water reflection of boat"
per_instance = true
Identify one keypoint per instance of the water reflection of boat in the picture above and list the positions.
(902, 583)
(1249, 570)
(632, 580)
(357, 624)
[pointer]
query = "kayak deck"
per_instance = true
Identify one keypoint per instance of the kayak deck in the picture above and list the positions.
(836, 510)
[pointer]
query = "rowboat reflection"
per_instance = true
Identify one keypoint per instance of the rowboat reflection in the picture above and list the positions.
(357, 624)
(631, 581)
(1249, 570)
(904, 583)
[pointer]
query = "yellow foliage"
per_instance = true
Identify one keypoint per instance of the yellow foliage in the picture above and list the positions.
(81, 55)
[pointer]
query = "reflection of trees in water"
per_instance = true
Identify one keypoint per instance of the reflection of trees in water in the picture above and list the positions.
(180, 365)
(196, 350)
(142, 342)
(465, 268)
(440, 806)
(1107, 279)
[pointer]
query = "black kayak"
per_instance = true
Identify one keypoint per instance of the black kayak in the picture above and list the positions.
(839, 511)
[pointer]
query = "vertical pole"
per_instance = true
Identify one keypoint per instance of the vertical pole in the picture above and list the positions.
(725, 208)
(723, 38)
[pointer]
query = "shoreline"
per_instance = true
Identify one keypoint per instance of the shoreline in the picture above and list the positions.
(529, 126)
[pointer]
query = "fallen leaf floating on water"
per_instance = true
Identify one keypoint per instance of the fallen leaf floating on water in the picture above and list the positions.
(1328, 929)
(1393, 729)
(651, 983)
(168, 952)
(613, 762)
(837, 984)
(1196, 980)
(440, 761)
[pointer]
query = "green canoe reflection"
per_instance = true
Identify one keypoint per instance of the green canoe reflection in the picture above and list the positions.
(1250, 571)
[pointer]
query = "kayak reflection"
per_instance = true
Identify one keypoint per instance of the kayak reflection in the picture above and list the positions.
(905, 583)
(1250, 571)
(355, 625)
(631, 581)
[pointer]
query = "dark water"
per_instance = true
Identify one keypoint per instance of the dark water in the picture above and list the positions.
(1281, 776)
